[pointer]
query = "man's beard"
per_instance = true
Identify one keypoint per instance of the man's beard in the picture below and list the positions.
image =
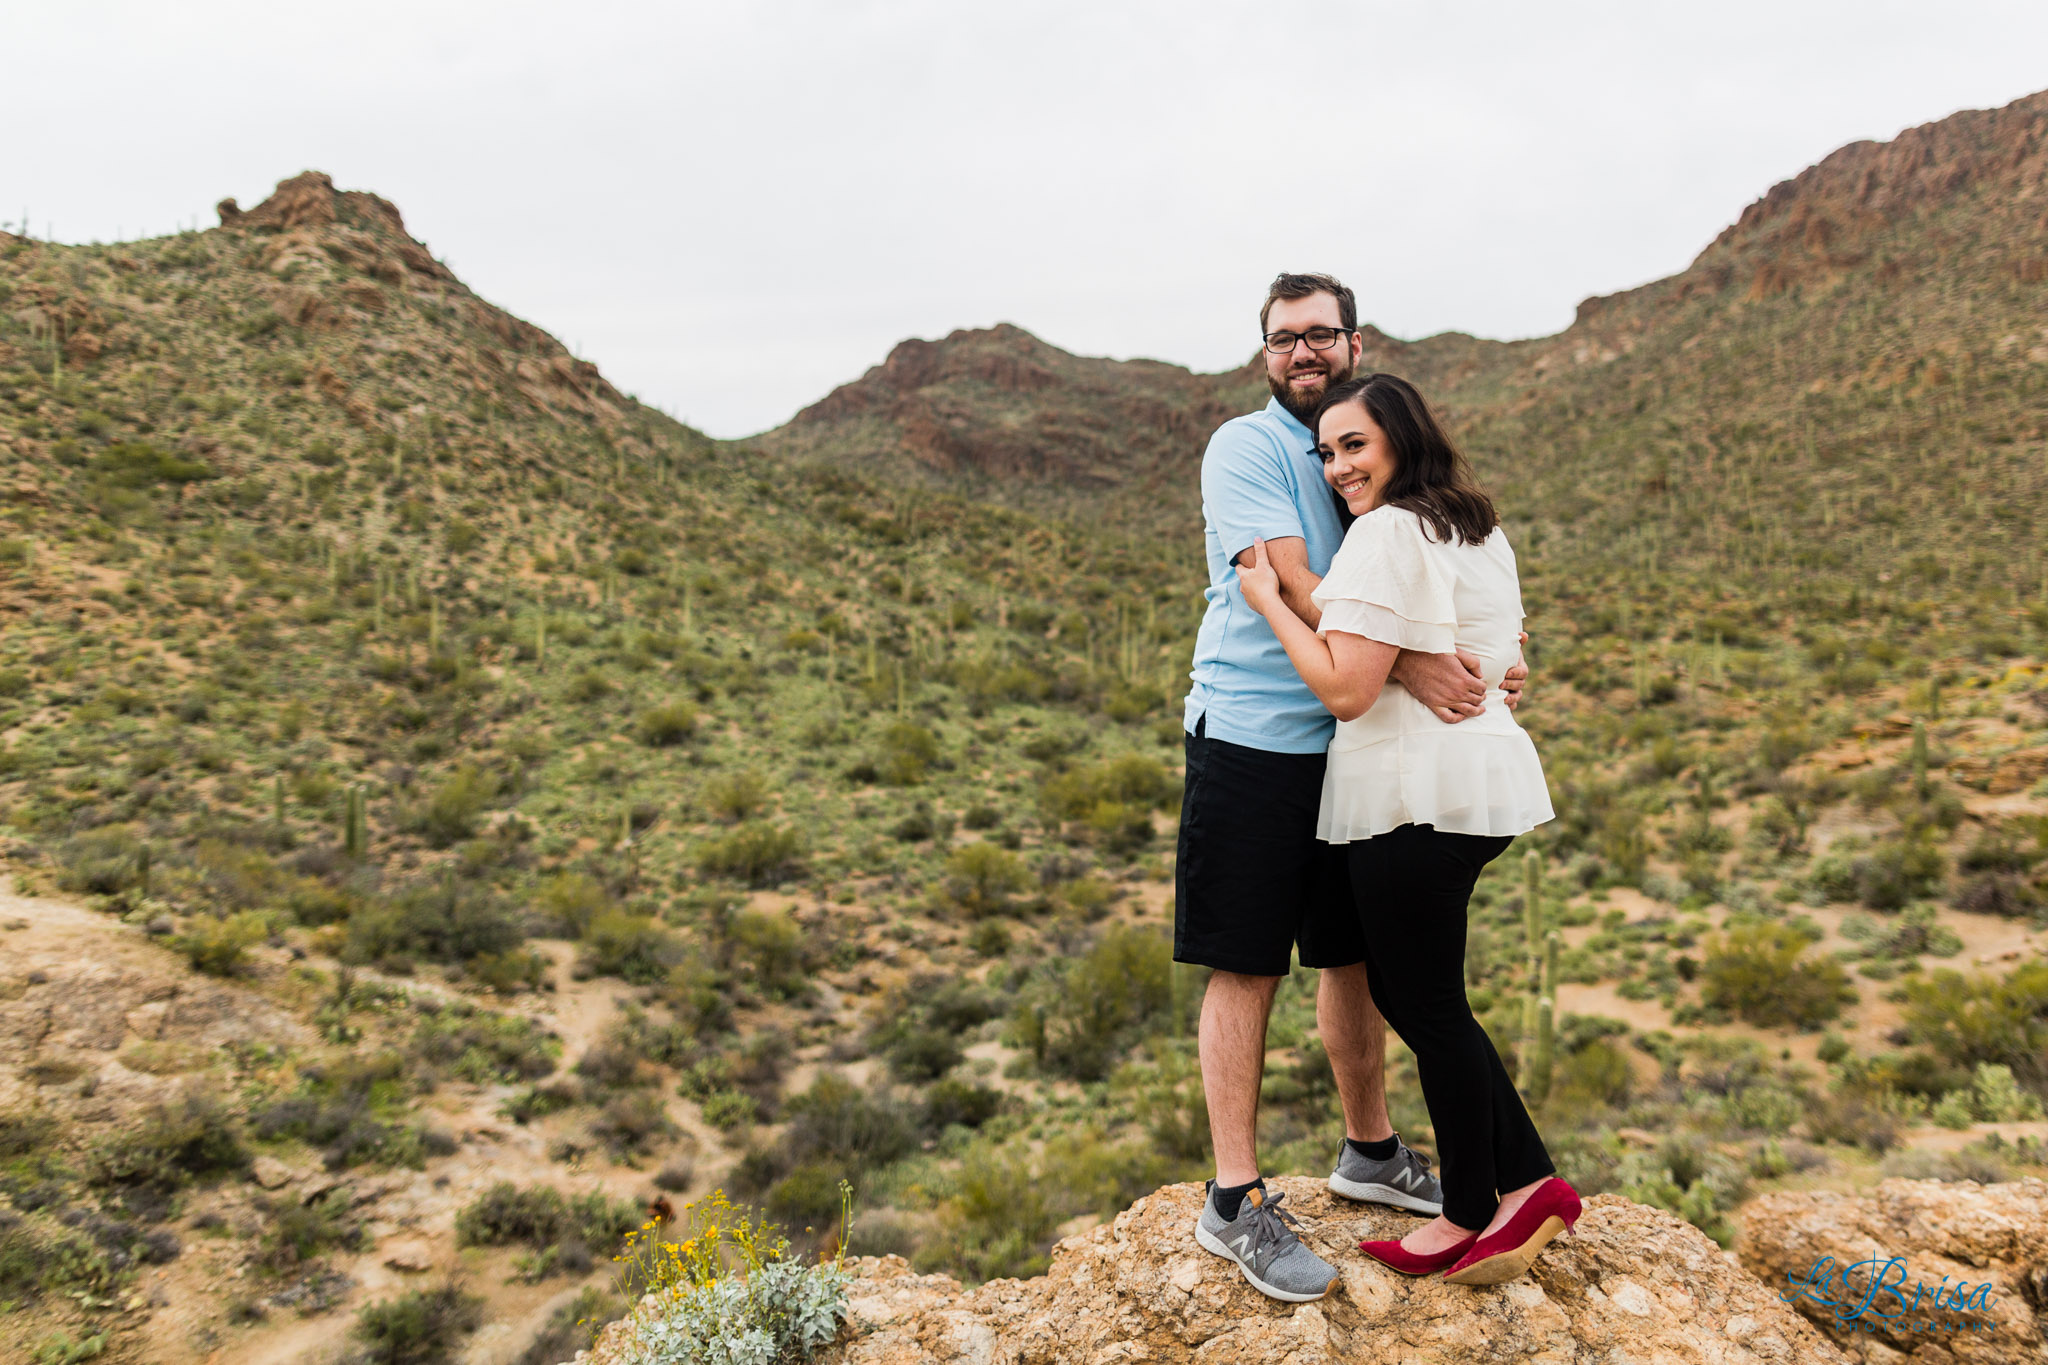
(1335, 371)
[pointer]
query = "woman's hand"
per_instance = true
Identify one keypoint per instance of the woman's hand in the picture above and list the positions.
(1258, 582)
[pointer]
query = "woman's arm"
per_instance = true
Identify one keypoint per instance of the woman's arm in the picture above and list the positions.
(1345, 671)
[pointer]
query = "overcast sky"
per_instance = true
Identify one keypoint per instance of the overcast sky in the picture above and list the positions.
(733, 207)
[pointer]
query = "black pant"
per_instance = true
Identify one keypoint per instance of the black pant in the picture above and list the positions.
(1413, 886)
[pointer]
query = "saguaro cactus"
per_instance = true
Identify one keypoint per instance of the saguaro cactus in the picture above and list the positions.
(355, 833)
(1920, 759)
(1539, 1007)
(1542, 1052)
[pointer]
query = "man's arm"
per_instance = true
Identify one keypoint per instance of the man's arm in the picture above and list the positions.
(1448, 684)
(1289, 558)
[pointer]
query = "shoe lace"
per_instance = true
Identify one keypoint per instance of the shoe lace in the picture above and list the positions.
(1271, 1228)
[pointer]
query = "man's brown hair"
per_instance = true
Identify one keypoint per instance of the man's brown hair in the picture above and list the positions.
(1287, 286)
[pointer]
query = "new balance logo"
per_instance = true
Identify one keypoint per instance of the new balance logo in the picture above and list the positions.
(1410, 1179)
(1237, 1244)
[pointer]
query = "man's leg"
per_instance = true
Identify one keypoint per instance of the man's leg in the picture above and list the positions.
(1233, 1047)
(1355, 1037)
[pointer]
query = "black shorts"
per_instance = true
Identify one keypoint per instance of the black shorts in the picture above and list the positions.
(1251, 880)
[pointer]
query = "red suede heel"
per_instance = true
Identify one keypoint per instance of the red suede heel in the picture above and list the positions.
(1509, 1253)
(1396, 1257)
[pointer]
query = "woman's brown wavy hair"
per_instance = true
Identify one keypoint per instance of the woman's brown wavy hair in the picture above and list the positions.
(1432, 478)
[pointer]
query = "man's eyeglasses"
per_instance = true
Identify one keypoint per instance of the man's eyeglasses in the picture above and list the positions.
(1318, 339)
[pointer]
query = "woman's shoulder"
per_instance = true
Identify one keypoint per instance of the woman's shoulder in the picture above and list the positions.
(1385, 525)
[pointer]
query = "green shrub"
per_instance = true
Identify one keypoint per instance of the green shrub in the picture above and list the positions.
(630, 1124)
(100, 862)
(446, 920)
(1001, 1218)
(449, 814)
(587, 686)
(1105, 1002)
(139, 465)
(296, 1232)
(635, 948)
(1977, 1019)
(419, 1328)
(1757, 971)
(907, 754)
(353, 1110)
(1891, 875)
(193, 1138)
(773, 946)
(541, 1217)
(736, 796)
(40, 1256)
(25, 1131)
(921, 1054)
(1112, 801)
(219, 947)
(953, 1101)
(482, 1047)
(981, 878)
(570, 901)
(838, 1123)
(1596, 1074)
(757, 853)
(730, 1110)
(668, 724)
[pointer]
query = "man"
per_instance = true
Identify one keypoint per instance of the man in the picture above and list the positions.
(1253, 883)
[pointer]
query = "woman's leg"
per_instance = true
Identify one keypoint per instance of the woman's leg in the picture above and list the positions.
(1413, 887)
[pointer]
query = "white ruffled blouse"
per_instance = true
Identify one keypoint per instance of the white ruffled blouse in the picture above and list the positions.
(1398, 764)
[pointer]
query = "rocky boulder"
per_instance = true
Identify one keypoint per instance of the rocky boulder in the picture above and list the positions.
(1633, 1284)
(1925, 1269)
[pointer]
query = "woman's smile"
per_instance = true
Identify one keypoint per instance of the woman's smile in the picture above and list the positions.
(1358, 460)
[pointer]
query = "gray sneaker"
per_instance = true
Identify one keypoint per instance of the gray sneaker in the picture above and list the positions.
(1402, 1180)
(1262, 1242)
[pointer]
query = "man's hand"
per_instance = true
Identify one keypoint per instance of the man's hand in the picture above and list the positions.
(1516, 678)
(1448, 684)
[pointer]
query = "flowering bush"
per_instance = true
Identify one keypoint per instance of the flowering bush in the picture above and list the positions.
(775, 1315)
(727, 1292)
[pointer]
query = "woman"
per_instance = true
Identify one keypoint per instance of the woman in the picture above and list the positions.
(1423, 805)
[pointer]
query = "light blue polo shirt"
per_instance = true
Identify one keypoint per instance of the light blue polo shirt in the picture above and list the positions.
(1261, 479)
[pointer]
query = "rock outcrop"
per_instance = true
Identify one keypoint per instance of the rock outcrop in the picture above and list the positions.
(1633, 1285)
(1931, 1248)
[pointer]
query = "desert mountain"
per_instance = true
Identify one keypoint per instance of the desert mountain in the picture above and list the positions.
(1860, 340)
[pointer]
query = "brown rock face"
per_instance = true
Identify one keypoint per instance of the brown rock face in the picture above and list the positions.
(1632, 1284)
(1961, 1270)
(305, 200)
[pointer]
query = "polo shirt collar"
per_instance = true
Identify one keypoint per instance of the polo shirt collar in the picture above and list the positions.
(1290, 422)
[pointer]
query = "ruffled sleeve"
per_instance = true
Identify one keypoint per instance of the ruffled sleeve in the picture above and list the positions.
(1389, 583)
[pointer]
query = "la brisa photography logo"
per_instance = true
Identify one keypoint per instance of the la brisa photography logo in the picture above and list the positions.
(1882, 1295)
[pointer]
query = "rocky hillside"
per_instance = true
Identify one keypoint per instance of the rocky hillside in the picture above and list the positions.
(1000, 413)
(1630, 1283)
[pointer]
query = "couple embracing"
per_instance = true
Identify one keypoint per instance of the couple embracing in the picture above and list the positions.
(1353, 763)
